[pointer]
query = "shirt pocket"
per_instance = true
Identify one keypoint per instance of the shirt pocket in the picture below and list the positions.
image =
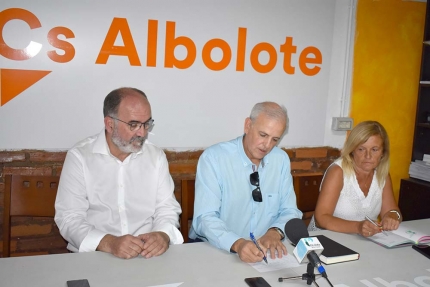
(272, 203)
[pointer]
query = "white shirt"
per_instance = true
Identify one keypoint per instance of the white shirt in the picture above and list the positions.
(352, 204)
(98, 195)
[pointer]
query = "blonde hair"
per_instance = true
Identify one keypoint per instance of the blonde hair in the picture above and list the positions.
(359, 135)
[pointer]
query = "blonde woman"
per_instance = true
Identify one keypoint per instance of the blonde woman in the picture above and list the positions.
(357, 185)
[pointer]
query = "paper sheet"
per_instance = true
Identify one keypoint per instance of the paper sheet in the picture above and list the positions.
(288, 261)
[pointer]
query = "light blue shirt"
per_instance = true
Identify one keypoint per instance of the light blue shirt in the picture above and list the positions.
(224, 210)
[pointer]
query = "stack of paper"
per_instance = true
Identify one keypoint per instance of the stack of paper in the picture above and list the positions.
(420, 168)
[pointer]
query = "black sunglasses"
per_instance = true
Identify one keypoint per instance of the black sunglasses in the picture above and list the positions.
(254, 178)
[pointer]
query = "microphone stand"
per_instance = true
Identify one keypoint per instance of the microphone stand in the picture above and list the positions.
(309, 276)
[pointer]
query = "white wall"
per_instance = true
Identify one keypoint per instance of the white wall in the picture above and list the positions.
(194, 107)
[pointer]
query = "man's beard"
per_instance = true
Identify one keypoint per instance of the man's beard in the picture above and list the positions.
(127, 147)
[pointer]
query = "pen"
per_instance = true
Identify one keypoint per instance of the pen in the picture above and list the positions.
(374, 223)
(258, 246)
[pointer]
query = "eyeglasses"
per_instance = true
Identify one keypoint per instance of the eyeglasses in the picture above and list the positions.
(254, 178)
(134, 125)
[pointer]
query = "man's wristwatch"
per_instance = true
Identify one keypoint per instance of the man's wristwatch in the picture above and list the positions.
(280, 232)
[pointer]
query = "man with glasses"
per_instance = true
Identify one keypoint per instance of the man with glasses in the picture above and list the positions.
(244, 189)
(115, 193)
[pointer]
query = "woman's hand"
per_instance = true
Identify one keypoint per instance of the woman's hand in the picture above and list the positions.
(367, 229)
(390, 221)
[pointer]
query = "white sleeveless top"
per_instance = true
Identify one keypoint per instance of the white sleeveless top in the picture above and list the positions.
(352, 204)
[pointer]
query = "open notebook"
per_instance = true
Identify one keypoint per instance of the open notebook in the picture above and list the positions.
(403, 236)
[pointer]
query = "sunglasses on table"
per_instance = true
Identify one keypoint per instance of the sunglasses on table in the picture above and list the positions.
(254, 178)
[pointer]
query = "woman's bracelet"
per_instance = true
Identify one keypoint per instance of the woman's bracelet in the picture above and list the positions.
(396, 212)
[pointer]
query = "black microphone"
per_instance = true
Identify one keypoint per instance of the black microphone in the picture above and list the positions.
(296, 229)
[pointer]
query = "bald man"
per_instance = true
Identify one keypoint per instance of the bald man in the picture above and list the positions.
(115, 193)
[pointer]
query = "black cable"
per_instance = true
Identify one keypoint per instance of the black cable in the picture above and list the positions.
(326, 278)
(324, 274)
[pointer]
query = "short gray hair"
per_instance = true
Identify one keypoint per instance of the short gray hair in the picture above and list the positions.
(270, 109)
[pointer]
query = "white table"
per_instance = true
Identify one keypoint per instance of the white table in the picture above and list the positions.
(200, 264)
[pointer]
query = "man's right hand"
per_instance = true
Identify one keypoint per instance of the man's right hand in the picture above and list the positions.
(126, 246)
(247, 251)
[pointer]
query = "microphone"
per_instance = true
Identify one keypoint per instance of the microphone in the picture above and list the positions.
(295, 229)
(298, 234)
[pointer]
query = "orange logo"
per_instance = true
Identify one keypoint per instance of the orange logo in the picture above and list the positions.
(309, 58)
(13, 82)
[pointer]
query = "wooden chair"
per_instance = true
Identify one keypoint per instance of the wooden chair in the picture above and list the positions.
(27, 196)
(307, 189)
(187, 206)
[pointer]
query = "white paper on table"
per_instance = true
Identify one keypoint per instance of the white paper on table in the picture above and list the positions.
(287, 261)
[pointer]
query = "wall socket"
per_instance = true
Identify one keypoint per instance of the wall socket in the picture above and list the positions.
(341, 124)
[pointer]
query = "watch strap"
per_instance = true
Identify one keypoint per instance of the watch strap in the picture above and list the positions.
(280, 232)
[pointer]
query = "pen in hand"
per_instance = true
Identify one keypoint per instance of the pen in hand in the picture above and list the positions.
(376, 224)
(258, 246)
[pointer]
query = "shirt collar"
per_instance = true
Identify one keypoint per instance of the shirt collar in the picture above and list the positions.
(101, 146)
(245, 159)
